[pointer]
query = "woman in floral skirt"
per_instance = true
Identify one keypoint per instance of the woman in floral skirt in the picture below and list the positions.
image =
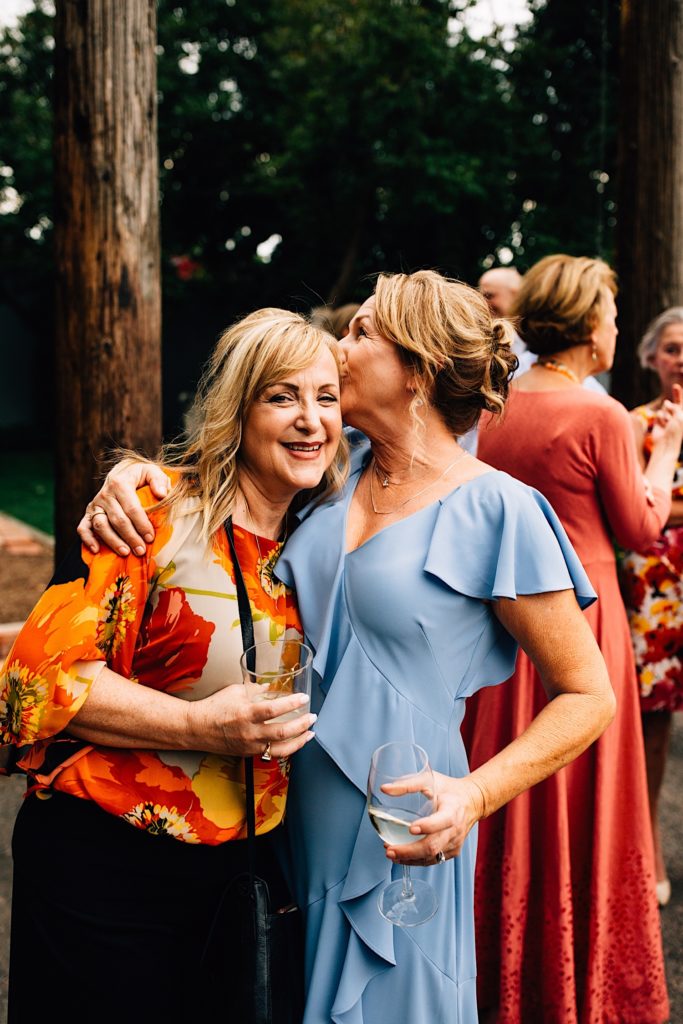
(652, 583)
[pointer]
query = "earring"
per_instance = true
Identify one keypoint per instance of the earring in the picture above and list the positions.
(418, 402)
(594, 353)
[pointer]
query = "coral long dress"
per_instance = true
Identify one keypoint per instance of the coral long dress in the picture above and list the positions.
(567, 925)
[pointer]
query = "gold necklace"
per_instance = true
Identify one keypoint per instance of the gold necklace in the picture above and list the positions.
(557, 367)
(263, 565)
(388, 512)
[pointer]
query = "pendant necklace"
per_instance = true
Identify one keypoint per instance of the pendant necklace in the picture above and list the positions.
(384, 480)
(557, 367)
(265, 574)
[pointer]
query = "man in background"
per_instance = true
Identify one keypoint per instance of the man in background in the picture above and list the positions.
(499, 286)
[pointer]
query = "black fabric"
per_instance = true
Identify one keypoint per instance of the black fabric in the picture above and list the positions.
(109, 923)
(71, 567)
(272, 943)
(267, 948)
(247, 628)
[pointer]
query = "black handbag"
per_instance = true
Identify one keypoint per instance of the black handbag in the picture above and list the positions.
(269, 970)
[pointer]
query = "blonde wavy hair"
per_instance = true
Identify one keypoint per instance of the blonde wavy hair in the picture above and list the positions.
(256, 352)
(461, 356)
(561, 301)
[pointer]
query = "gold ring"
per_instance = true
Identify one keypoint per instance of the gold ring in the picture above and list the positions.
(266, 755)
(96, 511)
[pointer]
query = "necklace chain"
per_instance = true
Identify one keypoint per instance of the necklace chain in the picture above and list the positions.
(557, 367)
(260, 556)
(412, 497)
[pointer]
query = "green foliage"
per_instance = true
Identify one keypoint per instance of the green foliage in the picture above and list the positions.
(360, 132)
(26, 64)
(367, 134)
(563, 81)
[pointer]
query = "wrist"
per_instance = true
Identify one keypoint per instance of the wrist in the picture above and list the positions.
(661, 467)
(479, 799)
(194, 726)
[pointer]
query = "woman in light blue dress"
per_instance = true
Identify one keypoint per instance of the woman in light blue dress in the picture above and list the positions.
(415, 588)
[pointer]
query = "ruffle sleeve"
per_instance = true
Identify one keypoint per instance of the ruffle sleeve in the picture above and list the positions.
(515, 543)
(402, 630)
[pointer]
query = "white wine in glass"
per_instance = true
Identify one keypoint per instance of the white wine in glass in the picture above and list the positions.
(278, 668)
(407, 901)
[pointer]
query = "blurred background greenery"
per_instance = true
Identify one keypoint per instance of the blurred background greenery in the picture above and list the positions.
(305, 145)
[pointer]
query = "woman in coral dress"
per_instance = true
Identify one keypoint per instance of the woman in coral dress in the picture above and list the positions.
(566, 919)
(652, 584)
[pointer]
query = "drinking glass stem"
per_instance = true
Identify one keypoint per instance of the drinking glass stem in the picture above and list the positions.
(407, 892)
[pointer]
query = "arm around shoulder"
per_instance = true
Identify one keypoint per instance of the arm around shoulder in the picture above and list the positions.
(115, 516)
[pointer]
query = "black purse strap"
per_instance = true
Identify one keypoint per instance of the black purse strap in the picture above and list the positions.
(247, 627)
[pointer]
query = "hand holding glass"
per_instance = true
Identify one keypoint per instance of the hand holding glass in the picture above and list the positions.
(278, 668)
(407, 901)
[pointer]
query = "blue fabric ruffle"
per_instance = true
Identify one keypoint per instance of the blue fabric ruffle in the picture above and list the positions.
(403, 629)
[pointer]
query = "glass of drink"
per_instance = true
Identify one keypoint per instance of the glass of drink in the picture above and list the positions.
(278, 668)
(407, 901)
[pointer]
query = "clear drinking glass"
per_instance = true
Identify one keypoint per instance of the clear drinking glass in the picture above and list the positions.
(278, 668)
(407, 901)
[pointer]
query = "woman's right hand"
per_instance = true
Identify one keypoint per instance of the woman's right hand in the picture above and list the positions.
(227, 722)
(667, 432)
(115, 516)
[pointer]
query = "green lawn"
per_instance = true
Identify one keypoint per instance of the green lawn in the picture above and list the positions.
(27, 487)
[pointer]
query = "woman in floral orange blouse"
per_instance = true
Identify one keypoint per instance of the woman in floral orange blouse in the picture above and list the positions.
(117, 701)
(652, 583)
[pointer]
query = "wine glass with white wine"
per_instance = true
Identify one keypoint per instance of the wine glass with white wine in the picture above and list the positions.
(407, 901)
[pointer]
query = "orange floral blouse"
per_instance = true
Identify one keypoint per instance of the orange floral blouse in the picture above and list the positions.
(169, 621)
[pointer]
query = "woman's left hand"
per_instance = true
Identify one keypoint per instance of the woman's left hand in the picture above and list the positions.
(459, 806)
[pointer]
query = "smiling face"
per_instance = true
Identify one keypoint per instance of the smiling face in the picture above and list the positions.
(373, 374)
(292, 430)
(667, 361)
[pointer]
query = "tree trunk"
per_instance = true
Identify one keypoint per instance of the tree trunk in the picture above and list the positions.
(336, 295)
(650, 227)
(108, 302)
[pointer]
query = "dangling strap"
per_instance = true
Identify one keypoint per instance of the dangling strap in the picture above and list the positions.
(247, 627)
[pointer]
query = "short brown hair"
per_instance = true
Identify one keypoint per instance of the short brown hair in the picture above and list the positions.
(444, 330)
(561, 301)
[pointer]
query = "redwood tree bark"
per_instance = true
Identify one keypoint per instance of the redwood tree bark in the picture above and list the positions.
(108, 303)
(650, 216)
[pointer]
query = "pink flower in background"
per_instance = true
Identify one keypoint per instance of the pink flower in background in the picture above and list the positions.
(185, 267)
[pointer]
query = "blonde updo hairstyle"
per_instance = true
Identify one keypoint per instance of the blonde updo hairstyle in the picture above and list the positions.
(561, 301)
(461, 356)
(263, 348)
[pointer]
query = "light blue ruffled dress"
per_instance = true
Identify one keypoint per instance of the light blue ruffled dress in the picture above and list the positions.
(402, 632)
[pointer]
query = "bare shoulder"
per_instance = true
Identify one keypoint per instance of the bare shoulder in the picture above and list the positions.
(476, 467)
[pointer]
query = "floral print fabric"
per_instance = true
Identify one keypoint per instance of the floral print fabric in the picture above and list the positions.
(168, 621)
(652, 588)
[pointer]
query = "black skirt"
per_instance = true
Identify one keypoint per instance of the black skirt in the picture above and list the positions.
(109, 922)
